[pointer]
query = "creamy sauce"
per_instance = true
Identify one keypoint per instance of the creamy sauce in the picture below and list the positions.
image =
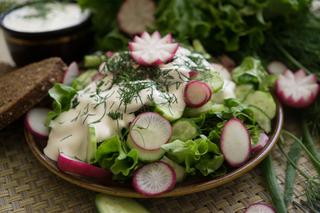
(69, 132)
(57, 16)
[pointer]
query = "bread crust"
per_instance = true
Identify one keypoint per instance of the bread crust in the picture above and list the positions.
(25, 87)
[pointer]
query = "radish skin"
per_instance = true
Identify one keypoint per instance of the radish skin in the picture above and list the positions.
(135, 16)
(76, 167)
(197, 93)
(71, 73)
(154, 179)
(297, 90)
(149, 131)
(152, 50)
(276, 68)
(263, 140)
(235, 143)
(35, 121)
(260, 208)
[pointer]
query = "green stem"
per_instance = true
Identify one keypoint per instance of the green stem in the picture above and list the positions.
(314, 160)
(308, 140)
(290, 57)
(273, 186)
(292, 163)
(294, 154)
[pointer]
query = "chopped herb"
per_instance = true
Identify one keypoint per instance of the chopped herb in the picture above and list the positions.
(115, 115)
(68, 136)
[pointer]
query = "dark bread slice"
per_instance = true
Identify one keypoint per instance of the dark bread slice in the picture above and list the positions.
(23, 88)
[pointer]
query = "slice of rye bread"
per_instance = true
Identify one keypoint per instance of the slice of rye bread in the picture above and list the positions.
(23, 88)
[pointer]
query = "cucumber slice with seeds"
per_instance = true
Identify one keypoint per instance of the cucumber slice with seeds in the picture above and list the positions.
(242, 91)
(184, 129)
(264, 101)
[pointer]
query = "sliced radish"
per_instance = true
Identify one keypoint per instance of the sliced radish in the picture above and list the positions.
(135, 16)
(71, 73)
(149, 131)
(260, 208)
(263, 140)
(97, 77)
(197, 93)
(297, 90)
(193, 74)
(152, 49)
(227, 62)
(75, 167)
(35, 122)
(153, 179)
(109, 54)
(235, 143)
(277, 68)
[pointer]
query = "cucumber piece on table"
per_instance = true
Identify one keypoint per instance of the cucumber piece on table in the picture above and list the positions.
(92, 145)
(110, 204)
(179, 170)
(184, 129)
(146, 155)
(264, 101)
(262, 119)
(243, 90)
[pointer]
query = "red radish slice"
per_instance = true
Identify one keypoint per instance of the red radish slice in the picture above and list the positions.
(297, 90)
(154, 179)
(75, 167)
(277, 68)
(35, 122)
(135, 16)
(71, 73)
(235, 143)
(193, 74)
(149, 131)
(98, 76)
(260, 208)
(263, 140)
(109, 54)
(197, 93)
(150, 50)
(227, 62)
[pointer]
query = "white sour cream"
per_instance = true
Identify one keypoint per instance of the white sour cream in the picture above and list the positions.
(57, 16)
(69, 131)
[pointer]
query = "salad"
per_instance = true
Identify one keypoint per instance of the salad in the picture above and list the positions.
(156, 114)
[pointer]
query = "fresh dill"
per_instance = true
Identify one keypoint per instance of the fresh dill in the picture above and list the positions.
(115, 115)
(66, 137)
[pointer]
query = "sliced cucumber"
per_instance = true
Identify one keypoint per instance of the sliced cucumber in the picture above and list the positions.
(208, 107)
(84, 79)
(184, 129)
(215, 81)
(92, 145)
(146, 155)
(242, 91)
(169, 112)
(262, 119)
(179, 170)
(264, 101)
(110, 204)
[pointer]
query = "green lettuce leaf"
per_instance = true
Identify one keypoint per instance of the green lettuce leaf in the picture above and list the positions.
(62, 96)
(251, 71)
(193, 153)
(112, 154)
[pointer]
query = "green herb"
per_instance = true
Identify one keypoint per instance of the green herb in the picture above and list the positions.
(312, 189)
(272, 185)
(294, 154)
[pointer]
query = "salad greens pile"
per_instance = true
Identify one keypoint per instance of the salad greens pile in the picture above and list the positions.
(198, 153)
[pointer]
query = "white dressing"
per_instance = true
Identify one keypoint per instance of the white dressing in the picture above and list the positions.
(97, 102)
(48, 17)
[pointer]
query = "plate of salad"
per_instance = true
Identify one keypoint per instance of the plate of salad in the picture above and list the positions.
(156, 120)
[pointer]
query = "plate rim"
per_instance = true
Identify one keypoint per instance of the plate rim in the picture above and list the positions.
(179, 190)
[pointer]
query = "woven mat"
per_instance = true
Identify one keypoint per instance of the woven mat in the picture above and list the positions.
(26, 186)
